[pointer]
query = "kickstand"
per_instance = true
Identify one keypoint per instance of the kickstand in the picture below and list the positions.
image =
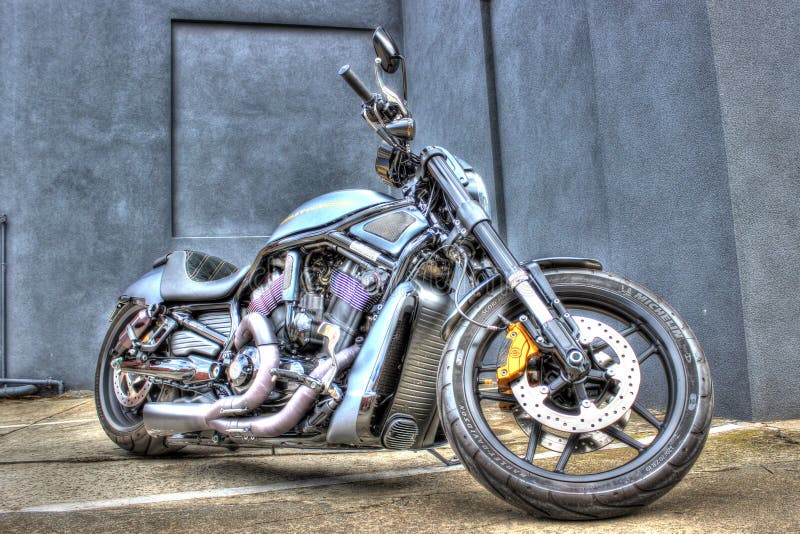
(449, 463)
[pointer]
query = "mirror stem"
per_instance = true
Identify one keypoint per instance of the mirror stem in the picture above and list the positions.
(405, 84)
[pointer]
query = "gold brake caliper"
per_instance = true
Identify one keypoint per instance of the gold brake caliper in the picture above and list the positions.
(520, 352)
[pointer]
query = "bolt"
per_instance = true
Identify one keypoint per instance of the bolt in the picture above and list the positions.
(575, 357)
(544, 390)
(610, 373)
(523, 318)
(586, 403)
(540, 339)
(504, 372)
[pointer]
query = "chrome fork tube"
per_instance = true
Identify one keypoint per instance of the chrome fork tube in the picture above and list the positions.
(472, 219)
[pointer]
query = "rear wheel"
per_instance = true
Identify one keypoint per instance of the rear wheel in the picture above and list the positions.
(120, 397)
(600, 448)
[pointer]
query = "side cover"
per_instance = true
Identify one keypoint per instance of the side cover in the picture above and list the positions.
(392, 384)
(392, 230)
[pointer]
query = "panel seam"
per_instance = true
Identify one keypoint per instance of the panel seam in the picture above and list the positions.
(494, 118)
(734, 225)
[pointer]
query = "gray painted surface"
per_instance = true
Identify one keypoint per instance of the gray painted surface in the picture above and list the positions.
(611, 147)
(755, 46)
(447, 82)
(86, 172)
(673, 161)
(668, 205)
(548, 130)
(260, 116)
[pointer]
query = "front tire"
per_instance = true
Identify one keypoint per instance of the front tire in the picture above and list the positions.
(123, 424)
(619, 468)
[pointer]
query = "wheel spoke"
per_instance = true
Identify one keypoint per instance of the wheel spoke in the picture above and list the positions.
(624, 333)
(652, 349)
(557, 384)
(536, 434)
(495, 396)
(580, 391)
(596, 374)
(567, 452)
(645, 414)
(630, 330)
(619, 435)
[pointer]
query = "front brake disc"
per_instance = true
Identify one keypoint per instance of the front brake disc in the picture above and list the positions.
(590, 415)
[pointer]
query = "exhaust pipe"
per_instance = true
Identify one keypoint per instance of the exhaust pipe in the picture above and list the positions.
(270, 426)
(170, 418)
(188, 370)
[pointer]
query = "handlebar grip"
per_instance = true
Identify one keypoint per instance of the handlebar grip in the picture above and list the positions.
(355, 83)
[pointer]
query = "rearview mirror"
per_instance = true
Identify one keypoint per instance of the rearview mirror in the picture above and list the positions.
(386, 50)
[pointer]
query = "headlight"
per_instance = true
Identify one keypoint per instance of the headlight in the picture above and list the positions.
(477, 190)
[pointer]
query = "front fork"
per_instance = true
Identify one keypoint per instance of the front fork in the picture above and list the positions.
(559, 331)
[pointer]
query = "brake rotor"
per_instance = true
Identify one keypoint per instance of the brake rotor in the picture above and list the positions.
(131, 390)
(592, 414)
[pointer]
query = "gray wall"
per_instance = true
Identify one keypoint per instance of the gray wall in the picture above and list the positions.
(120, 121)
(661, 136)
(758, 76)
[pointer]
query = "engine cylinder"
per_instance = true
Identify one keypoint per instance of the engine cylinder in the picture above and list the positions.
(349, 300)
(267, 297)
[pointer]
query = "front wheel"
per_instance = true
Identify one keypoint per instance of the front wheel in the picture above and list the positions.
(604, 447)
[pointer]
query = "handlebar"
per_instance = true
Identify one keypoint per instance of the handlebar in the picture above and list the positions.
(355, 84)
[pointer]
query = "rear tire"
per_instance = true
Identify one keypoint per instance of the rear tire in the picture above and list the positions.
(622, 484)
(124, 425)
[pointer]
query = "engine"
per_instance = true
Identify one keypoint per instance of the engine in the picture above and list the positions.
(298, 294)
(276, 387)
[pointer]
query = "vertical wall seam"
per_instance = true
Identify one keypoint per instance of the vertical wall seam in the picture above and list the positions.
(494, 116)
(749, 349)
(598, 138)
(402, 24)
(172, 232)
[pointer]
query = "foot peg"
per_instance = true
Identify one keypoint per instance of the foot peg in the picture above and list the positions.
(318, 386)
(300, 378)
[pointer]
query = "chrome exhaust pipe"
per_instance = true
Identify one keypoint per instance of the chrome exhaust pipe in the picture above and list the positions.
(170, 418)
(270, 426)
(187, 370)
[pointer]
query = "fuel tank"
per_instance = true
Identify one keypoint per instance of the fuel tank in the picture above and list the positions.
(327, 208)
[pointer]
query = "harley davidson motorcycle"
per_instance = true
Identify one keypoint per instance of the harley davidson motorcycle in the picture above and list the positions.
(369, 321)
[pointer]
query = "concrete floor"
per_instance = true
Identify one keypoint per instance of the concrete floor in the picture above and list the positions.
(59, 472)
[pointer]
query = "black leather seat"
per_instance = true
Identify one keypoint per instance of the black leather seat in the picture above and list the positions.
(192, 276)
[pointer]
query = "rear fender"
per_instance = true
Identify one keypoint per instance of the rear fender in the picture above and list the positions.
(147, 288)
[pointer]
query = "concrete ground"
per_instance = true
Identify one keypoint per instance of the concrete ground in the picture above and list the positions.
(59, 472)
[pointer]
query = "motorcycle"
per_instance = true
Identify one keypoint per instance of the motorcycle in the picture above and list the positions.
(405, 323)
